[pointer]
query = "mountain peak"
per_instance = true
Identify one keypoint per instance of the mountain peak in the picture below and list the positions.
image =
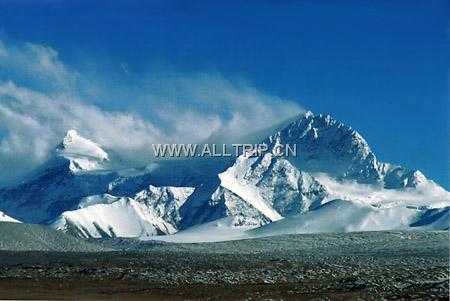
(82, 153)
(71, 135)
(307, 114)
(327, 145)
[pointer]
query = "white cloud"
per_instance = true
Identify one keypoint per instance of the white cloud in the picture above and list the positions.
(38, 105)
(428, 194)
(35, 65)
(34, 123)
(202, 105)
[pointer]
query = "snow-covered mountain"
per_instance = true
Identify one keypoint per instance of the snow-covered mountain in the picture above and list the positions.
(345, 216)
(333, 162)
(257, 189)
(6, 218)
(76, 169)
(335, 183)
(153, 211)
(329, 146)
(82, 154)
(334, 216)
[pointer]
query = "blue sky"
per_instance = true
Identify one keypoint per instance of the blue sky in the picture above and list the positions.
(380, 66)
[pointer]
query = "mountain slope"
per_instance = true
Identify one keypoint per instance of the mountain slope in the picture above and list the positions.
(257, 189)
(6, 218)
(28, 237)
(345, 216)
(50, 194)
(76, 170)
(153, 211)
(336, 216)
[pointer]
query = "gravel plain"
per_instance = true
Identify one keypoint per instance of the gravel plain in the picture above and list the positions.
(335, 266)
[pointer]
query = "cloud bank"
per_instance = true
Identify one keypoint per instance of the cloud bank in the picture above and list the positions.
(41, 98)
(429, 194)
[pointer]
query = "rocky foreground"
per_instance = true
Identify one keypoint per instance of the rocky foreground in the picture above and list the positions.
(370, 265)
